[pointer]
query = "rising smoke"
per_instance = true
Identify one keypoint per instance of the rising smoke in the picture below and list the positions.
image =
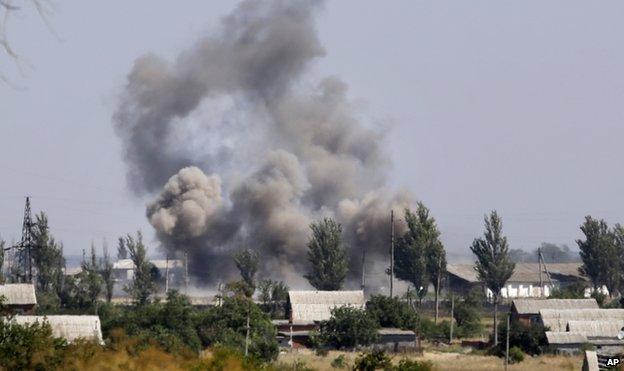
(249, 152)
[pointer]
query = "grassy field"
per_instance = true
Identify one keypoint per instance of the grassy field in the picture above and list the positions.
(441, 360)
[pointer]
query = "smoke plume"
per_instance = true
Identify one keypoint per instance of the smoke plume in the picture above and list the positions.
(243, 150)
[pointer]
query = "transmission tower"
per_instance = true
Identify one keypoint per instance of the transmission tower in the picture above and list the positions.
(25, 248)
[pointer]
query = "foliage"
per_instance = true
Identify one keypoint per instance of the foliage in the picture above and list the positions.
(47, 258)
(274, 297)
(29, 347)
(170, 325)
(348, 328)
(413, 365)
(492, 252)
(226, 325)
(573, 291)
(145, 273)
(247, 263)
(529, 338)
(106, 271)
(410, 256)
(122, 251)
(600, 253)
(339, 362)
(374, 360)
(90, 276)
(391, 312)
(467, 314)
(327, 256)
(515, 355)
(493, 265)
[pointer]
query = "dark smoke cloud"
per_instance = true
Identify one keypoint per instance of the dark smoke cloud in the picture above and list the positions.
(248, 151)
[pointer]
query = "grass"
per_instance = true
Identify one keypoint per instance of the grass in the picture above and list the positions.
(442, 361)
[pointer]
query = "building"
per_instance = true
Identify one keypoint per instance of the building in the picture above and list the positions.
(570, 329)
(123, 271)
(527, 310)
(19, 298)
(526, 281)
(311, 307)
(68, 327)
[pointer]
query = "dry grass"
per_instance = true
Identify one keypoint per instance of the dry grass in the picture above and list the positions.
(442, 361)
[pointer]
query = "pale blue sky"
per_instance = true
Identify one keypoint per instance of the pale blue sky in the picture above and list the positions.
(514, 106)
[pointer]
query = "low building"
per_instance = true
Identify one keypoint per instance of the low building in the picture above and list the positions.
(525, 282)
(19, 298)
(123, 271)
(311, 307)
(389, 339)
(68, 327)
(527, 310)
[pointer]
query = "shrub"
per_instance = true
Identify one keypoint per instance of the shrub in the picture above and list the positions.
(530, 339)
(29, 347)
(347, 328)
(412, 365)
(467, 315)
(339, 362)
(515, 355)
(375, 360)
(391, 312)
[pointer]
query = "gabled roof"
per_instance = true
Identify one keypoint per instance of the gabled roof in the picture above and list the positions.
(18, 294)
(127, 264)
(307, 306)
(557, 319)
(565, 338)
(608, 329)
(533, 306)
(523, 272)
(68, 327)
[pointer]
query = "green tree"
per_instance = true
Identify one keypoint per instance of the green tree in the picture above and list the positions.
(327, 256)
(122, 251)
(226, 325)
(247, 263)
(599, 253)
(410, 253)
(348, 328)
(273, 295)
(144, 280)
(91, 279)
(106, 271)
(47, 258)
(392, 312)
(493, 265)
(29, 346)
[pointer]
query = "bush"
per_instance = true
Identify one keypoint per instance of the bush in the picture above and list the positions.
(530, 339)
(347, 328)
(411, 365)
(515, 355)
(371, 361)
(573, 291)
(391, 312)
(467, 315)
(339, 362)
(29, 347)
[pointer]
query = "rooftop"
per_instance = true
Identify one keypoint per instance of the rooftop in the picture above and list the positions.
(523, 272)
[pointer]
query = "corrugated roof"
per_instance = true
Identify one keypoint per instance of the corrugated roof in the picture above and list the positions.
(317, 305)
(596, 328)
(18, 294)
(557, 319)
(68, 327)
(533, 306)
(565, 338)
(523, 272)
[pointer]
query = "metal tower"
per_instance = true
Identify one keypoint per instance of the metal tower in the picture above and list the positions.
(24, 249)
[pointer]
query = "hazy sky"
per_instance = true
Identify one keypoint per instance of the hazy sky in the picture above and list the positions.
(514, 106)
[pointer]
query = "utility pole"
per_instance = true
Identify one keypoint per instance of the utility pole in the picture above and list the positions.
(539, 264)
(452, 318)
(23, 250)
(247, 332)
(391, 253)
(186, 272)
(507, 344)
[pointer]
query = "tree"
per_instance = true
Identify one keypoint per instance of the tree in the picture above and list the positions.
(599, 253)
(247, 263)
(122, 251)
(145, 275)
(327, 256)
(1, 261)
(410, 253)
(493, 265)
(91, 279)
(392, 312)
(273, 295)
(47, 257)
(348, 328)
(106, 271)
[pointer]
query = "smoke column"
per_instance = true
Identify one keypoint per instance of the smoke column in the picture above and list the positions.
(237, 148)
